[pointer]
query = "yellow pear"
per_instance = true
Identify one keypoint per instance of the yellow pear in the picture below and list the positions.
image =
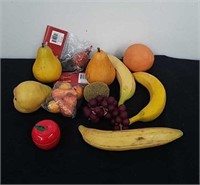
(46, 68)
(29, 95)
(100, 68)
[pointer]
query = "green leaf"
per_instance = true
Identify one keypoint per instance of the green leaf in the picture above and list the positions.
(39, 127)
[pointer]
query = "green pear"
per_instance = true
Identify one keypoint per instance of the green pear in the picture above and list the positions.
(46, 68)
(29, 96)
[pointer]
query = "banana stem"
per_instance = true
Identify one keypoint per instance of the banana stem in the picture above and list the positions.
(134, 119)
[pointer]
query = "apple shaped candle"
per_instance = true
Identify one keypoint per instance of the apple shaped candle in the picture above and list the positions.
(46, 134)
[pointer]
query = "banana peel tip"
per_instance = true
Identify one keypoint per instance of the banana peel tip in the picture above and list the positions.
(81, 128)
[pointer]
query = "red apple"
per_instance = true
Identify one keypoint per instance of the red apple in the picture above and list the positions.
(46, 134)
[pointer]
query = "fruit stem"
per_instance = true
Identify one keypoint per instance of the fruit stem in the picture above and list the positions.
(98, 49)
(43, 44)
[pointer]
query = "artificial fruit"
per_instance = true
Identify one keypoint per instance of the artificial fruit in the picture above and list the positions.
(100, 69)
(46, 134)
(132, 139)
(29, 95)
(125, 79)
(157, 101)
(46, 68)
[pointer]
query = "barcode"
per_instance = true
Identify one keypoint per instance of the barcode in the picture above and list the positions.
(82, 75)
(82, 79)
(56, 38)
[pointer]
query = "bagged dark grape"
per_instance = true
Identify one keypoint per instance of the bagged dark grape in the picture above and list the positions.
(78, 62)
(76, 54)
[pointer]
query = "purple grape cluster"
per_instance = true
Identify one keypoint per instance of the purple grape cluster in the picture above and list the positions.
(107, 107)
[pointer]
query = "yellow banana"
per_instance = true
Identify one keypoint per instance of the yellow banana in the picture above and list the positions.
(157, 97)
(125, 79)
(132, 139)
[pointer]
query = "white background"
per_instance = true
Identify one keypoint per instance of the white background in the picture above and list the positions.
(168, 27)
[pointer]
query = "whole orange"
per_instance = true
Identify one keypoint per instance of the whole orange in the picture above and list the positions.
(138, 57)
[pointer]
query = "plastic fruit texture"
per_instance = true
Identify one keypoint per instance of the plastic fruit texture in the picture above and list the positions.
(132, 139)
(46, 68)
(138, 57)
(157, 101)
(125, 79)
(95, 89)
(46, 134)
(29, 95)
(100, 69)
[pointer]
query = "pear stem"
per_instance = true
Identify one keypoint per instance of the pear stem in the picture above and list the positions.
(43, 44)
(98, 49)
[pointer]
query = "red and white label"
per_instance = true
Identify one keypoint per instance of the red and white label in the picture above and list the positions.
(74, 78)
(55, 38)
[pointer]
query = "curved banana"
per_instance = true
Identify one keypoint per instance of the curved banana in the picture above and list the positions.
(132, 139)
(125, 79)
(157, 97)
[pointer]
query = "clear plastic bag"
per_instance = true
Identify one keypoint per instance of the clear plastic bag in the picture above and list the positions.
(64, 99)
(75, 54)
